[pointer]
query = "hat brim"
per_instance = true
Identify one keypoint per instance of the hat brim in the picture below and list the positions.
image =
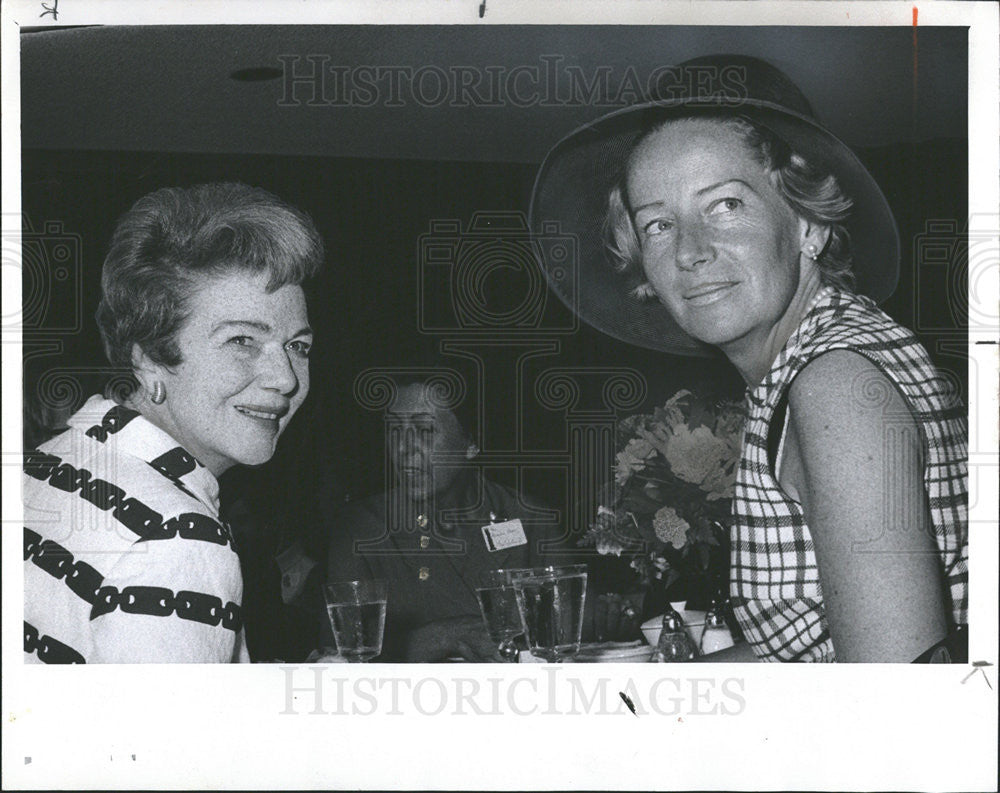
(570, 198)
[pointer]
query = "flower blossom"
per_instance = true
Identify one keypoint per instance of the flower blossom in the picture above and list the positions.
(670, 527)
(694, 456)
(658, 437)
(632, 458)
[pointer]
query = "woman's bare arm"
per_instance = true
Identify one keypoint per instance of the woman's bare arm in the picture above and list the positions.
(856, 461)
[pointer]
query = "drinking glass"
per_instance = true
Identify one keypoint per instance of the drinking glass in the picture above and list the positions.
(357, 616)
(550, 601)
(498, 604)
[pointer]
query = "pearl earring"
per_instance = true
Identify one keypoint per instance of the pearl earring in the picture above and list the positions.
(643, 291)
(812, 251)
(159, 393)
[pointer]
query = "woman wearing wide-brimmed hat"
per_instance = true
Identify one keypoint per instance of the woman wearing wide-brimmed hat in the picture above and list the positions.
(721, 216)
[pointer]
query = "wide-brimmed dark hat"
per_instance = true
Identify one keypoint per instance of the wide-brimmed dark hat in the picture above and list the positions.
(571, 192)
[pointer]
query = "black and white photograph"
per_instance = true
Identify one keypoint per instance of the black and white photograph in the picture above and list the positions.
(379, 380)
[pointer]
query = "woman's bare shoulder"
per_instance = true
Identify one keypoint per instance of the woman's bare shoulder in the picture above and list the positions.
(844, 391)
(850, 425)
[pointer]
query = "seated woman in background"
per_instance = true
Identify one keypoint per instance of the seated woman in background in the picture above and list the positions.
(424, 535)
(126, 557)
(762, 235)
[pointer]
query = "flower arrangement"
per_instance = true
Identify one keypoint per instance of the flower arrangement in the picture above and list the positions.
(669, 505)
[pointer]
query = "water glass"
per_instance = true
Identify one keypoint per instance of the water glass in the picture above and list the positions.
(550, 601)
(498, 605)
(357, 615)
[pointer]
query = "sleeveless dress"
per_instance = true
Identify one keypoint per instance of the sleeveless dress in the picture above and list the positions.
(775, 585)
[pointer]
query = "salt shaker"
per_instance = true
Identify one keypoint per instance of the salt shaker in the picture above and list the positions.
(674, 644)
(716, 635)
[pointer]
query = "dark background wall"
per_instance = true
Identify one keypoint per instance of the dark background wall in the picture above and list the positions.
(373, 215)
(112, 113)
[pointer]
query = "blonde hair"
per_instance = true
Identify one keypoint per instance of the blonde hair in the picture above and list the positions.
(813, 193)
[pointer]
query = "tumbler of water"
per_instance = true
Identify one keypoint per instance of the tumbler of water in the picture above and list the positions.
(357, 616)
(550, 601)
(498, 604)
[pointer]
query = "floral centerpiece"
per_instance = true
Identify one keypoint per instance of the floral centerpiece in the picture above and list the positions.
(669, 505)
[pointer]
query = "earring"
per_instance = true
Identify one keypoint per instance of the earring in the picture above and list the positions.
(472, 451)
(643, 291)
(812, 251)
(159, 393)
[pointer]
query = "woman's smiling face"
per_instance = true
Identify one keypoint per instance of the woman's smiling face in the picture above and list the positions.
(244, 370)
(720, 246)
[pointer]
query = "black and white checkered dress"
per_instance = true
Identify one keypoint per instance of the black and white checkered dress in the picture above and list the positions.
(775, 583)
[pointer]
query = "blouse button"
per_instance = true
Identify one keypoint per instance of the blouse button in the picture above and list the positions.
(422, 521)
(424, 574)
(425, 541)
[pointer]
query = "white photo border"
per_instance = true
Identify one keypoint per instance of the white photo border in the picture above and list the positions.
(833, 727)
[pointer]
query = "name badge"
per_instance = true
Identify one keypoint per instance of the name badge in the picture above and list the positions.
(508, 534)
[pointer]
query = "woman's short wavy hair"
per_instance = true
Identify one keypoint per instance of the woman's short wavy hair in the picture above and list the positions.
(812, 193)
(173, 237)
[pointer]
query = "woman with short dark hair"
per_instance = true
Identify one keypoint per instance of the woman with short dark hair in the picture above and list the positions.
(426, 535)
(126, 557)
